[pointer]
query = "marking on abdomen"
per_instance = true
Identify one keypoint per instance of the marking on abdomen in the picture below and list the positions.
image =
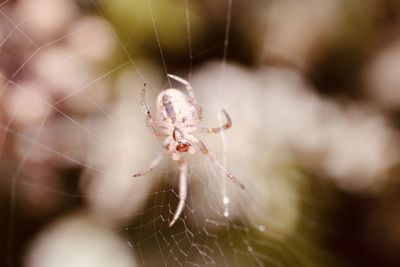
(166, 102)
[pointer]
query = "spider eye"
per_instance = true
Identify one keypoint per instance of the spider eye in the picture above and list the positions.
(182, 147)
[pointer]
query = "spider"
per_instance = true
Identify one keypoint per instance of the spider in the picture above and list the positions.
(178, 116)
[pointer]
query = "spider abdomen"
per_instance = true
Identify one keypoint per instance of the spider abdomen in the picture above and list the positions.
(176, 109)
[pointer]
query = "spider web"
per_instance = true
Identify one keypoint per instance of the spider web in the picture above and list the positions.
(74, 133)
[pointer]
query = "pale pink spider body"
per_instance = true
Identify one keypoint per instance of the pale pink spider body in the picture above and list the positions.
(178, 116)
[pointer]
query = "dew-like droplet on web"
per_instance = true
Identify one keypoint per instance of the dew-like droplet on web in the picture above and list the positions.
(225, 200)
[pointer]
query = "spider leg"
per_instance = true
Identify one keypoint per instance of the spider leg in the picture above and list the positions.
(211, 157)
(149, 117)
(152, 165)
(185, 83)
(224, 127)
(182, 190)
(189, 89)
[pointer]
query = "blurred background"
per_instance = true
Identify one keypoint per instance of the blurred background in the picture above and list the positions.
(313, 89)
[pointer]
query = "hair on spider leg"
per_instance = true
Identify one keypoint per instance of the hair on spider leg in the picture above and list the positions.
(177, 119)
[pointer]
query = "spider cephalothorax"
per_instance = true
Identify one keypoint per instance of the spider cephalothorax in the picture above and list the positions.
(178, 116)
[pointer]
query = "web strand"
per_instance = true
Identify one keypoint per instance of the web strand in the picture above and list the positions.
(13, 195)
(119, 41)
(158, 40)
(226, 42)
(189, 36)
